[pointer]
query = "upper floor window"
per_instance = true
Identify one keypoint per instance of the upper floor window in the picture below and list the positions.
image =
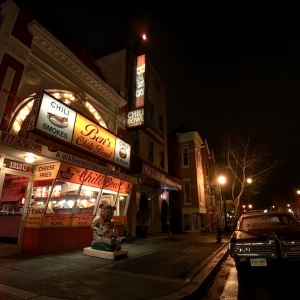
(162, 159)
(150, 112)
(150, 151)
(199, 160)
(136, 142)
(185, 157)
(161, 123)
(187, 191)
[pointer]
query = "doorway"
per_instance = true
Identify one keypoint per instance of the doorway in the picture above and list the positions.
(15, 194)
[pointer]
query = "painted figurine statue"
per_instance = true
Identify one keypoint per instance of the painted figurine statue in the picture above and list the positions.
(105, 234)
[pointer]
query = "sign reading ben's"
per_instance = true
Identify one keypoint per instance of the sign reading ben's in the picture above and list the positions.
(62, 122)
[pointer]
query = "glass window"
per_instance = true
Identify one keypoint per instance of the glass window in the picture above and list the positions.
(162, 159)
(150, 112)
(64, 203)
(40, 192)
(136, 142)
(150, 151)
(87, 200)
(161, 123)
(185, 157)
(187, 192)
(122, 204)
(13, 194)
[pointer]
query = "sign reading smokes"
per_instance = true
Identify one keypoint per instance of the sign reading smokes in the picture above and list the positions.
(60, 121)
(136, 119)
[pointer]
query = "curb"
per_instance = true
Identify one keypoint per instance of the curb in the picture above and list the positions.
(197, 286)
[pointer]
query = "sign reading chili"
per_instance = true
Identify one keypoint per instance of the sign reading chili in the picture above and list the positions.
(65, 124)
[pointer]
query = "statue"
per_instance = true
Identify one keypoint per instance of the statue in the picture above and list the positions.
(105, 235)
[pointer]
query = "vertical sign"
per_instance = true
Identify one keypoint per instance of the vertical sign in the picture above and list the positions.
(140, 81)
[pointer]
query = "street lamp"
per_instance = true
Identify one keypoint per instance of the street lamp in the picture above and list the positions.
(222, 180)
(250, 206)
(249, 180)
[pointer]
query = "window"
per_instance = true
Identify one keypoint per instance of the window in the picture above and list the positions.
(150, 112)
(187, 192)
(136, 142)
(199, 159)
(150, 151)
(161, 123)
(185, 157)
(200, 187)
(162, 159)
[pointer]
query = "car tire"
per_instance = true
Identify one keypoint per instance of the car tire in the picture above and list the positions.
(241, 269)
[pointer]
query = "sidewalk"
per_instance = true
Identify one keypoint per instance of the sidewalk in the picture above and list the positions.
(160, 267)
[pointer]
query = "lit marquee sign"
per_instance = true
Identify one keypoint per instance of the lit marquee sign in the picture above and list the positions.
(56, 119)
(60, 121)
(136, 119)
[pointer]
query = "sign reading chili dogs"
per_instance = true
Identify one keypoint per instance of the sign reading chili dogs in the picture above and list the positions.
(63, 123)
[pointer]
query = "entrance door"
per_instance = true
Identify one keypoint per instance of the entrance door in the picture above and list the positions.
(15, 191)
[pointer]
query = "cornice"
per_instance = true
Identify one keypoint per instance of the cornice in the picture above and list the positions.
(17, 49)
(43, 40)
(191, 136)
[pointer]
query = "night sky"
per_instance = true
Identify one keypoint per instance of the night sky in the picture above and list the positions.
(226, 69)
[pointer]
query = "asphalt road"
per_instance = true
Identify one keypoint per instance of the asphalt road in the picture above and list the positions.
(280, 282)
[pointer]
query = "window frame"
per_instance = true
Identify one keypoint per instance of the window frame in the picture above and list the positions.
(187, 180)
(150, 151)
(188, 162)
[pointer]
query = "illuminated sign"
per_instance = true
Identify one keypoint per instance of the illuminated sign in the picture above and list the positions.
(70, 173)
(64, 123)
(46, 172)
(140, 81)
(56, 119)
(122, 153)
(125, 187)
(93, 138)
(82, 220)
(15, 165)
(136, 118)
(56, 220)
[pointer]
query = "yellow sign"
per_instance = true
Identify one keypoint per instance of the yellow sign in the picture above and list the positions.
(56, 220)
(82, 220)
(46, 172)
(34, 220)
(93, 138)
(71, 173)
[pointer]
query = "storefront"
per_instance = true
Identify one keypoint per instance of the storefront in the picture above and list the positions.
(49, 197)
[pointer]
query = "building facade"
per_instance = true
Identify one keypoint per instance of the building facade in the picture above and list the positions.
(63, 149)
(194, 164)
(130, 71)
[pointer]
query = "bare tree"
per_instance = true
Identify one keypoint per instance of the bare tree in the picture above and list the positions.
(246, 160)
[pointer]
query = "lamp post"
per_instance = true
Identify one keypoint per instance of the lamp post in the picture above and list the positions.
(222, 180)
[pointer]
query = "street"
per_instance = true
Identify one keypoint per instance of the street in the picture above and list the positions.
(266, 284)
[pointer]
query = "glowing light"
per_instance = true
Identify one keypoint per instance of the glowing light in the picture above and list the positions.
(265, 210)
(290, 210)
(17, 128)
(30, 104)
(88, 193)
(67, 101)
(222, 179)
(66, 95)
(249, 180)
(298, 192)
(29, 159)
(144, 36)
(97, 117)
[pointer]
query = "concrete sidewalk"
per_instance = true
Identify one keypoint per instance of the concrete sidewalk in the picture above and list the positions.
(160, 267)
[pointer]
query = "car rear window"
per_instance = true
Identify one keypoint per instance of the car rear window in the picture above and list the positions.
(266, 221)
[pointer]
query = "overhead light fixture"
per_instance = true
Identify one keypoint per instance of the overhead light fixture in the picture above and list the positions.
(29, 158)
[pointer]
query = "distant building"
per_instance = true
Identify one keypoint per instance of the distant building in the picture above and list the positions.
(191, 160)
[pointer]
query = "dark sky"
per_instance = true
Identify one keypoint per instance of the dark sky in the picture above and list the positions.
(226, 68)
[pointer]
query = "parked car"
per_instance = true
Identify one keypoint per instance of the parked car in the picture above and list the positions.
(264, 238)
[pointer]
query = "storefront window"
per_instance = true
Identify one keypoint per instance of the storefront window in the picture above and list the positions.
(13, 194)
(108, 198)
(40, 192)
(122, 204)
(63, 198)
(87, 200)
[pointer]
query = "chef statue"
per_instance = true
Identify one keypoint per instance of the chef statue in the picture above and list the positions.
(105, 234)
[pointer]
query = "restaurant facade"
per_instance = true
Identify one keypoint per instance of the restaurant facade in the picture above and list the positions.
(63, 148)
